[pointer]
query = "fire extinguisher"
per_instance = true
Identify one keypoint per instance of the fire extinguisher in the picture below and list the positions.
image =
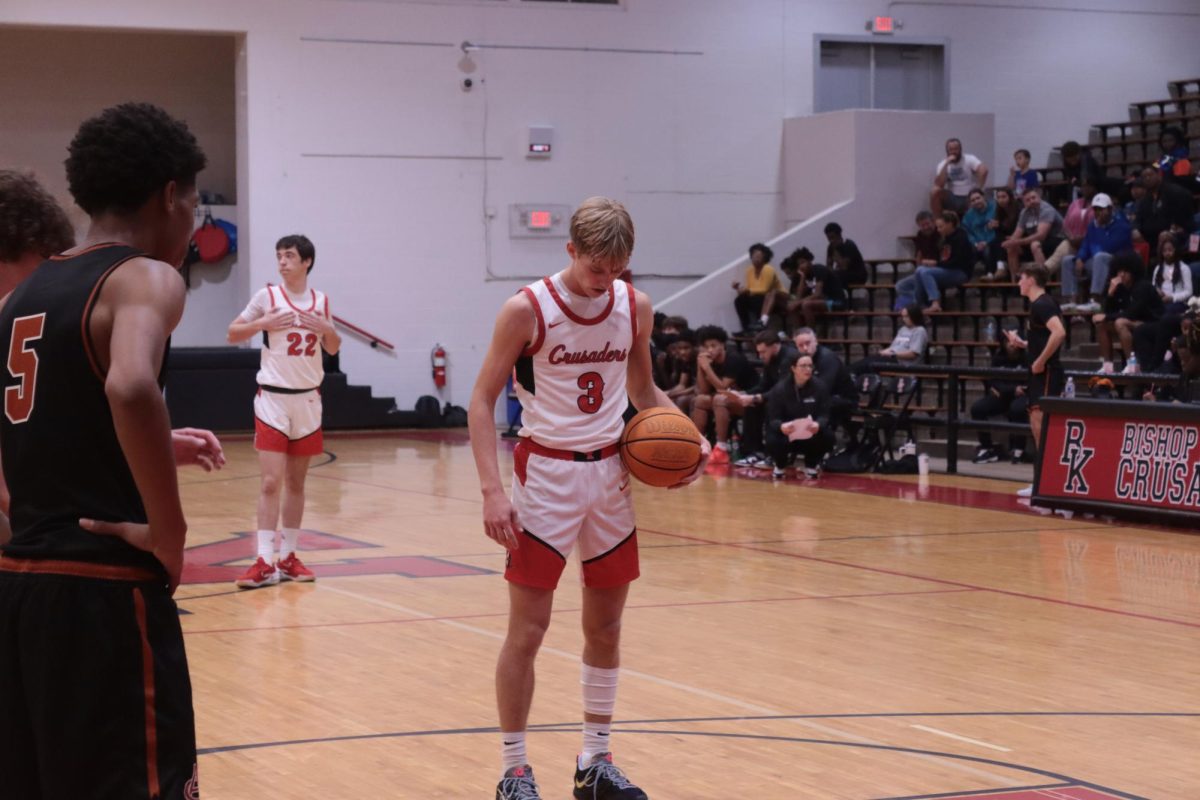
(438, 359)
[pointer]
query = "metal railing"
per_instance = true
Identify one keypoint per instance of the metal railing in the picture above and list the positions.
(954, 376)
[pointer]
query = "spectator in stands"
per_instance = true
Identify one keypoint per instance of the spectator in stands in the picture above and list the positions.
(719, 369)
(844, 256)
(957, 174)
(830, 370)
(681, 370)
(815, 290)
(1078, 165)
(1172, 278)
(1020, 176)
(776, 356)
(1042, 349)
(1039, 230)
(1107, 234)
(1166, 207)
(955, 265)
(798, 420)
(1075, 225)
(926, 242)
(1131, 300)
(981, 212)
(1003, 397)
(759, 282)
(1008, 211)
(908, 346)
(1174, 163)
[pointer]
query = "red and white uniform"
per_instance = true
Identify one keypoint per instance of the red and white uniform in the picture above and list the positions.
(287, 408)
(569, 484)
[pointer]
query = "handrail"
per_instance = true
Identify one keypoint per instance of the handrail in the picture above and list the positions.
(371, 338)
(955, 374)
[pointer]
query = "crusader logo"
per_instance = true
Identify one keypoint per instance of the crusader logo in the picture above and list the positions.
(1075, 457)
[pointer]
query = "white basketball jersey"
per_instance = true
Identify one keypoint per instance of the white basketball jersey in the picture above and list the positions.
(571, 378)
(292, 357)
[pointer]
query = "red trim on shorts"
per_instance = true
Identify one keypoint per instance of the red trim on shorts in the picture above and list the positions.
(76, 569)
(521, 461)
(270, 439)
(571, 315)
(569, 455)
(534, 563)
(617, 567)
(139, 607)
(541, 324)
(311, 445)
(632, 310)
(84, 327)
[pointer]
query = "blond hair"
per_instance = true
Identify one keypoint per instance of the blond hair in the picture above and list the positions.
(602, 228)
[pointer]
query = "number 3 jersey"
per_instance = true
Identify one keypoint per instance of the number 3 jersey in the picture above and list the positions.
(570, 379)
(291, 358)
(62, 459)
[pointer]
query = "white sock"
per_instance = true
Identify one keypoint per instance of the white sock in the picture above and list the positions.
(595, 741)
(291, 537)
(266, 546)
(512, 749)
(723, 445)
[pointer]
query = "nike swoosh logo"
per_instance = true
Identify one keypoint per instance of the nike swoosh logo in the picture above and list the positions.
(556, 324)
(580, 784)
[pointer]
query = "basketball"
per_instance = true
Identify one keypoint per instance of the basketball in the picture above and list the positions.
(660, 446)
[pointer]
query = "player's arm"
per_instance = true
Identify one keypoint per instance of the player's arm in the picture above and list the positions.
(514, 325)
(1058, 334)
(322, 325)
(639, 383)
(643, 393)
(145, 301)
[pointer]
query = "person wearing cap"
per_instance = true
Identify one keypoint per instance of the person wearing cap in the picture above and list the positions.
(1107, 234)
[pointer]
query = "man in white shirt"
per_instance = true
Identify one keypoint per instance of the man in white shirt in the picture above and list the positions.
(957, 174)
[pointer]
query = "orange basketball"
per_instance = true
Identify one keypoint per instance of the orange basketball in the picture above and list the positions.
(660, 446)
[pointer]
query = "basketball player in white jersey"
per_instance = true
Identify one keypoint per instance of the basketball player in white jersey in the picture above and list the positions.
(579, 341)
(287, 408)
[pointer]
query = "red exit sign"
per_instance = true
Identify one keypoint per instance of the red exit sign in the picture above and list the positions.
(883, 25)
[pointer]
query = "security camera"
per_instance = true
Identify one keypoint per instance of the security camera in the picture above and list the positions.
(467, 83)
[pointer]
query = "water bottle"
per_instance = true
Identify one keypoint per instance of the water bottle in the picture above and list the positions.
(989, 334)
(1131, 366)
(1069, 389)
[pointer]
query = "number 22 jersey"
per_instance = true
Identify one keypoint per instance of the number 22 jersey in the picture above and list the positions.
(570, 379)
(291, 358)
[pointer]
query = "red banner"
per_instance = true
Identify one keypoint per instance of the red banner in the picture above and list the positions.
(1126, 454)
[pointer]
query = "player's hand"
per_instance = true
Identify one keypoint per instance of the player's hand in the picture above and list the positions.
(1037, 367)
(705, 452)
(196, 446)
(314, 322)
(279, 319)
(500, 521)
(140, 536)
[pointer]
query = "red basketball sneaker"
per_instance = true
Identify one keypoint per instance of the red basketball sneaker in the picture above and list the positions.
(292, 569)
(260, 574)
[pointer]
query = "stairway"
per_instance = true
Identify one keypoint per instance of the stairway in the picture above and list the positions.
(213, 387)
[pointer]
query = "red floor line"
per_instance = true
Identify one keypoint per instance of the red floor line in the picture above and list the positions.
(572, 610)
(943, 581)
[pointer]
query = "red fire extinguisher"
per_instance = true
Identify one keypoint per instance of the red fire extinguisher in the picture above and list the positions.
(438, 359)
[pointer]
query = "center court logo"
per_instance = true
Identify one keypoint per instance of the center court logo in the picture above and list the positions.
(1075, 457)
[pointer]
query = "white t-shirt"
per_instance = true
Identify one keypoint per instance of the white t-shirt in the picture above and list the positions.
(960, 177)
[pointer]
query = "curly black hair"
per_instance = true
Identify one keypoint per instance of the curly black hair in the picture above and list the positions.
(711, 332)
(31, 221)
(122, 156)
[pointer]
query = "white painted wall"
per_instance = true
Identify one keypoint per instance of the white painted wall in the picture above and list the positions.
(691, 138)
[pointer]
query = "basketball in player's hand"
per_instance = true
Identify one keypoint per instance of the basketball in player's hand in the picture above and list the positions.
(660, 446)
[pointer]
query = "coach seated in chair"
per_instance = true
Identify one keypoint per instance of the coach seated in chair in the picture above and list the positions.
(830, 370)
(777, 356)
(798, 420)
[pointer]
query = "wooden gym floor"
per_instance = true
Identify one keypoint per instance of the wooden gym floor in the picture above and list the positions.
(858, 638)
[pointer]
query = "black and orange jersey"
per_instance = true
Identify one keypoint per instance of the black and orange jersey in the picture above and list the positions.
(60, 451)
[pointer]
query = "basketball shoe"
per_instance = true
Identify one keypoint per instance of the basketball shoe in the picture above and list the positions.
(292, 569)
(518, 784)
(260, 574)
(603, 780)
